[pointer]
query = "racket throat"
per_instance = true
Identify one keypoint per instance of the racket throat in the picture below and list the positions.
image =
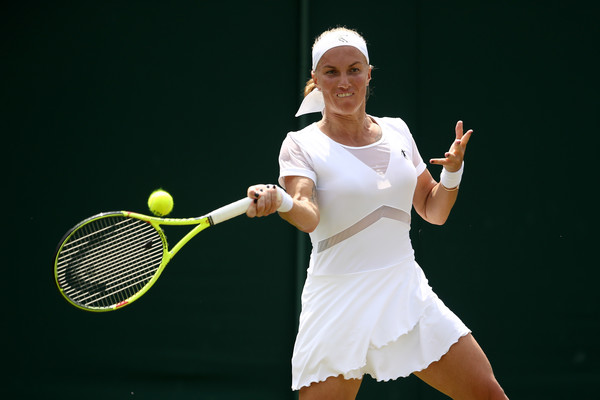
(205, 223)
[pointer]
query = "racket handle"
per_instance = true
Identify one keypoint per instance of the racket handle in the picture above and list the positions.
(238, 208)
(230, 210)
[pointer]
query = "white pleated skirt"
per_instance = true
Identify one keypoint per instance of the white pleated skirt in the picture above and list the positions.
(387, 323)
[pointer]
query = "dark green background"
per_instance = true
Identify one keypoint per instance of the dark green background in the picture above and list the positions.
(102, 102)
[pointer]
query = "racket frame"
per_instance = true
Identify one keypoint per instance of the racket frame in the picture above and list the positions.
(217, 216)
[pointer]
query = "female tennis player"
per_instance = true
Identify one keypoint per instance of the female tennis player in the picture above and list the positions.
(351, 180)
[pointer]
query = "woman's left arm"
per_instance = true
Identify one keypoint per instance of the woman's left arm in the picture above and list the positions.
(432, 200)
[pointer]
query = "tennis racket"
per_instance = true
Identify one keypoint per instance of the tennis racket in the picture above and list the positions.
(111, 259)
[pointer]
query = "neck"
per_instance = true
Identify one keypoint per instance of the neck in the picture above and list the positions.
(352, 130)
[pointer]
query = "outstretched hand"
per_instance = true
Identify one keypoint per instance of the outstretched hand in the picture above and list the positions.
(454, 157)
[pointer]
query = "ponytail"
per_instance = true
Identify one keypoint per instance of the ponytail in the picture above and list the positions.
(310, 86)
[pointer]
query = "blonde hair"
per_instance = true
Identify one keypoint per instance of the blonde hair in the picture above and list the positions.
(309, 87)
(310, 84)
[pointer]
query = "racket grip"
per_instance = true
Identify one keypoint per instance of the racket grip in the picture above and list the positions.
(230, 210)
(241, 206)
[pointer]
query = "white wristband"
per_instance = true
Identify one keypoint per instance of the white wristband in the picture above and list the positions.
(286, 200)
(450, 180)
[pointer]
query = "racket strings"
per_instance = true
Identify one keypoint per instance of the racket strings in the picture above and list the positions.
(108, 260)
(114, 276)
(100, 260)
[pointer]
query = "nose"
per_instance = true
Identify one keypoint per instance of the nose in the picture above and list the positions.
(344, 83)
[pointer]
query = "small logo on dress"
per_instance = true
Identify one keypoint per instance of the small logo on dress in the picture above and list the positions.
(404, 153)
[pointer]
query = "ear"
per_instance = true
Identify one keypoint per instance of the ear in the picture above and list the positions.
(369, 74)
(314, 78)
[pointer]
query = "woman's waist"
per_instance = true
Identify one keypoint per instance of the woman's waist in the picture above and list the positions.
(363, 252)
(385, 220)
(319, 267)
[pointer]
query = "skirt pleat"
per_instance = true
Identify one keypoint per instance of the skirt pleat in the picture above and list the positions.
(386, 323)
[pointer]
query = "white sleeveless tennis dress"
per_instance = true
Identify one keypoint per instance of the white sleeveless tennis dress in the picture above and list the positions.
(367, 307)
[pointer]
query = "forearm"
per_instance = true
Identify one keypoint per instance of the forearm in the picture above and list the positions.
(304, 214)
(439, 203)
(434, 201)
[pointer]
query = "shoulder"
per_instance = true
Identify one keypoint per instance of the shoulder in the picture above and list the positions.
(306, 138)
(299, 143)
(398, 133)
(304, 133)
(395, 128)
(393, 123)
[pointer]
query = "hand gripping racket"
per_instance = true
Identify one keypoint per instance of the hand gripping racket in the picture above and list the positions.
(111, 259)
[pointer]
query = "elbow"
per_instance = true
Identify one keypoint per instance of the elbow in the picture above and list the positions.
(310, 221)
(308, 228)
(435, 217)
(306, 225)
(437, 220)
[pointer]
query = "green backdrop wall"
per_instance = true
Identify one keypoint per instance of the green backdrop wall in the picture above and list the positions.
(102, 102)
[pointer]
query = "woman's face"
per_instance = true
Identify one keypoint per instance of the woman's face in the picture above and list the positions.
(343, 75)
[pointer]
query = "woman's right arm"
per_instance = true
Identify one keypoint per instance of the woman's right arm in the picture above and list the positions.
(304, 214)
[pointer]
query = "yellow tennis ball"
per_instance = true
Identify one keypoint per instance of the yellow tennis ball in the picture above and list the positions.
(160, 203)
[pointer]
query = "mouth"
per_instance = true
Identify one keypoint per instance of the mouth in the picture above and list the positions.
(342, 95)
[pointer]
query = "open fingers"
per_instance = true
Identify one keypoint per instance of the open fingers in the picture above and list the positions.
(452, 161)
(454, 157)
(463, 137)
(459, 130)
